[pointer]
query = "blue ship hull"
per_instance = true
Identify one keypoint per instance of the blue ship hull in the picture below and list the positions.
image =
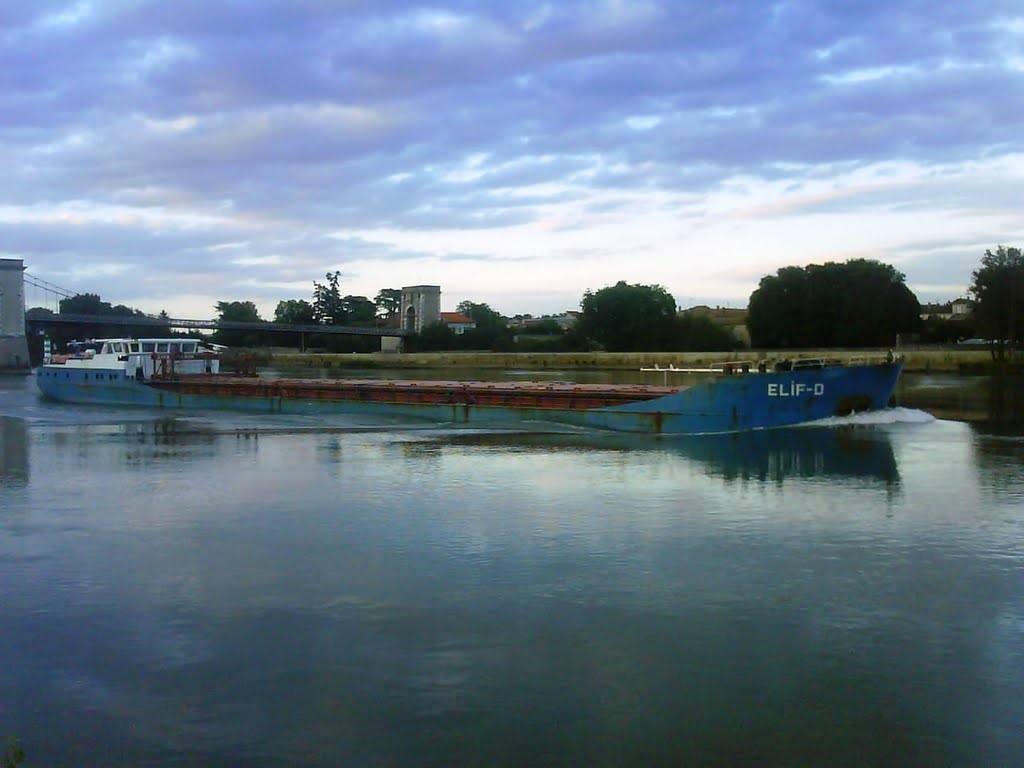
(724, 403)
(759, 400)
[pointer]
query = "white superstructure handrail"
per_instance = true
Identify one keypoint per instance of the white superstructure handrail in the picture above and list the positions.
(766, 365)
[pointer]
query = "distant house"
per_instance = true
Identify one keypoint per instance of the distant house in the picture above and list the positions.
(567, 319)
(458, 322)
(961, 307)
(951, 310)
(564, 321)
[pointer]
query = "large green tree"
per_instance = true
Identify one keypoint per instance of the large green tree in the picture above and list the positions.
(491, 332)
(358, 310)
(858, 303)
(92, 304)
(629, 318)
(331, 308)
(238, 311)
(388, 302)
(998, 290)
(327, 303)
(481, 314)
(84, 304)
(294, 312)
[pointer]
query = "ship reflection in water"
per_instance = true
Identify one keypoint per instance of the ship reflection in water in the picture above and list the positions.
(772, 455)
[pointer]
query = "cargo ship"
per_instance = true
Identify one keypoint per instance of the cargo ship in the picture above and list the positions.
(732, 397)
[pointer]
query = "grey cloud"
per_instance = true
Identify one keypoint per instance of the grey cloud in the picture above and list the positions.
(57, 248)
(942, 261)
(315, 116)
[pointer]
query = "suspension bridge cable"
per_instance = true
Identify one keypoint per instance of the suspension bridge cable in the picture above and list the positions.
(49, 287)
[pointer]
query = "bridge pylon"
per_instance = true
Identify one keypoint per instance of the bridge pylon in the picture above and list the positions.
(13, 344)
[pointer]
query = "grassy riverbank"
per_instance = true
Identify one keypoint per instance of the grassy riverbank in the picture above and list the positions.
(919, 360)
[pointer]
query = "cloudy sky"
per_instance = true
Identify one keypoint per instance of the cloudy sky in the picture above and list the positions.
(169, 155)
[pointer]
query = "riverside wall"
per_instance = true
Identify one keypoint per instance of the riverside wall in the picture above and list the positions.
(915, 360)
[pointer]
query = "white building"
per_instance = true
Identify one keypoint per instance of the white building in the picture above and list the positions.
(458, 322)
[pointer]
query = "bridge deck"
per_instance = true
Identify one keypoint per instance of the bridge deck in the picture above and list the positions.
(224, 325)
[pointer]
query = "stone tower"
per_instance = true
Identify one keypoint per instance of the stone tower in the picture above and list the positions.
(13, 346)
(421, 306)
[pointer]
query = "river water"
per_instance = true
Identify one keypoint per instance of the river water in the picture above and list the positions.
(222, 590)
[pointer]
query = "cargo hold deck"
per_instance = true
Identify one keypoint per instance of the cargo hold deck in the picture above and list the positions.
(532, 394)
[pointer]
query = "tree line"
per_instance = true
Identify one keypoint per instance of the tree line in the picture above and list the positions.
(998, 289)
(857, 303)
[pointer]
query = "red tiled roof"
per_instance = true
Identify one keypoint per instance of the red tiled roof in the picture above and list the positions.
(456, 317)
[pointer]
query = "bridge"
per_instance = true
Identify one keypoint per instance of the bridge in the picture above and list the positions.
(55, 293)
(223, 325)
(13, 320)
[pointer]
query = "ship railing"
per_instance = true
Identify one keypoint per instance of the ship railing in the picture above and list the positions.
(163, 366)
(734, 366)
(888, 357)
(727, 368)
(731, 367)
(168, 366)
